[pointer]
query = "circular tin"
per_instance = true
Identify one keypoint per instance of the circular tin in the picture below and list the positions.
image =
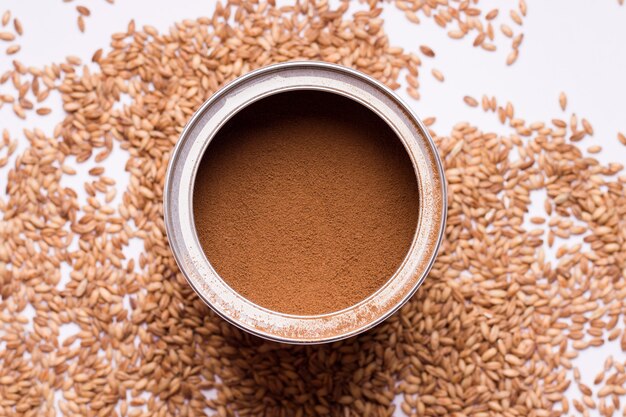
(178, 200)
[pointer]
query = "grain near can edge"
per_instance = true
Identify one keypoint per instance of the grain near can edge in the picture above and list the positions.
(183, 166)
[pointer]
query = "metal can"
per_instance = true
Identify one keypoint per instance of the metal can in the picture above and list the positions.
(178, 196)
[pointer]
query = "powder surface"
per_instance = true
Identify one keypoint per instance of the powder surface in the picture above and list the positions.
(306, 202)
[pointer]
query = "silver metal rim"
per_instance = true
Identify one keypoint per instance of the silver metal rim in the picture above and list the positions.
(178, 210)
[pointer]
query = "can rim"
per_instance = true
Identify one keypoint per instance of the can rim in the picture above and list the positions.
(178, 243)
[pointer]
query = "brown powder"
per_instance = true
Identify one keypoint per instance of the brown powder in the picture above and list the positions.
(306, 202)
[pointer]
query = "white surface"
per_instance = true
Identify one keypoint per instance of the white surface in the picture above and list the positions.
(574, 46)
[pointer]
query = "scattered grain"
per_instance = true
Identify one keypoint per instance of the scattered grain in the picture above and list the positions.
(487, 334)
(516, 17)
(587, 126)
(6, 17)
(480, 38)
(13, 49)
(456, 34)
(438, 75)
(492, 14)
(594, 149)
(7, 36)
(83, 11)
(96, 56)
(506, 30)
(426, 50)
(470, 101)
(429, 121)
(563, 101)
(18, 27)
(522, 7)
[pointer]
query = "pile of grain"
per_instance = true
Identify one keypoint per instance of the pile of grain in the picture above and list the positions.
(493, 330)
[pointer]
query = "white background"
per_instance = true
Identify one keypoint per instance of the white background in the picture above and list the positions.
(576, 46)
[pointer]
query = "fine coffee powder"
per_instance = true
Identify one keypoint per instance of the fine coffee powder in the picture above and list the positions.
(305, 202)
